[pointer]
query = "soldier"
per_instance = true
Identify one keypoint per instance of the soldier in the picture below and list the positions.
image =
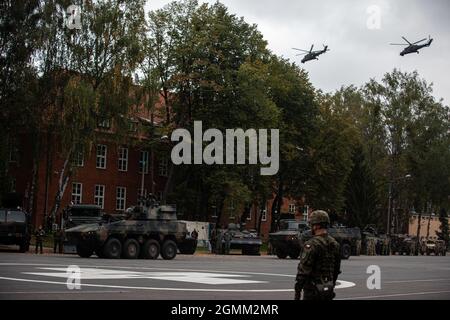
(320, 262)
(57, 240)
(227, 238)
(219, 238)
(39, 234)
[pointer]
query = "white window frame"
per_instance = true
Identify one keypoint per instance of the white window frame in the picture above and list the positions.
(77, 193)
(121, 198)
(163, 168)
(99, 197)
(100, 160)
(141, 160)
(122, 159)
(78, 160)
(305, 213)
(264, 213)
(292, 208)
(139, 193)
(104, 124)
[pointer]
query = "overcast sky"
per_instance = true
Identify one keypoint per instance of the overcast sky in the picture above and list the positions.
(358, 53)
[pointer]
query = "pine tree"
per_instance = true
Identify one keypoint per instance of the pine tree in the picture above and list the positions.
(443, 234)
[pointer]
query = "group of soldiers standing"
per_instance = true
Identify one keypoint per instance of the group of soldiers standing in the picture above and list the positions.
(220, 241)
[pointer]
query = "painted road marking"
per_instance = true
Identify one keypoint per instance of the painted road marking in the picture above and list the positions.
(191, 277)
(224, 276)
(395, 295)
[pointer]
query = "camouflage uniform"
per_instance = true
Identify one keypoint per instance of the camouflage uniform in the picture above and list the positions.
(219, 238)
(227, 238)
(319, 265)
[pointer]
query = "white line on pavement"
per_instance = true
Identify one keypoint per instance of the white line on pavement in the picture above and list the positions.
(394, 295)
(421, 280)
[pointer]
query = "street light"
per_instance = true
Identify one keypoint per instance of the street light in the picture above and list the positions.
(388, 229)
(144, 163)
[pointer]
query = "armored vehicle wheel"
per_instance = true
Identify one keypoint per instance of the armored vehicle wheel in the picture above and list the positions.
(130, 249)
(24, 247)
(112, 249)
(294, 254)
(346, 251)
(151, 249)
(84, 251)
(169, 250)
(99, 253)
(281, 254)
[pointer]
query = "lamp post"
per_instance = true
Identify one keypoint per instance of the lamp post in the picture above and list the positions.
(144, 164)
(389, 224)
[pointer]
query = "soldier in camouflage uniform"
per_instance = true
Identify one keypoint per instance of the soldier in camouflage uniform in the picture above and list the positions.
(320, 262)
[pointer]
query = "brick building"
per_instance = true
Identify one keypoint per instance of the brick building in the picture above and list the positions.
(110, 175)
(429, 225)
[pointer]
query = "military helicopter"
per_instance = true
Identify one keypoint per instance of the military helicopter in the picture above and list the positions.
(311, 55)
(413, 47)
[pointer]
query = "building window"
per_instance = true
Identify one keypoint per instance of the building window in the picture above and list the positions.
(101, 156)
(163, 166)
(139, 194)
(99, 195)
(78, 159)
(292, 208)
(132, 126)
(305, 213)
(143, 162)
(123, 159)
(104, 124)
(77, 191)
(264, 213)
(121, 196)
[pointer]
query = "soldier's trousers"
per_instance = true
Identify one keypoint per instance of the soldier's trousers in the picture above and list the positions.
(39, 244)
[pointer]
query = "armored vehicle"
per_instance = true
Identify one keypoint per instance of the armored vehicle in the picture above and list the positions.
(285, 242)
(245, 240)
(348, 238)
(288, 242)
(15, 228)
(403, 244)
(189, 244)
(149, 230)
(437, 247)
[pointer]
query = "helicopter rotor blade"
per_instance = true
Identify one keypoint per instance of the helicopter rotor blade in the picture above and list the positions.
(301, 54)
(312, 46)
(420, 40)
(300, 50)
(398, 44)
(406, 40)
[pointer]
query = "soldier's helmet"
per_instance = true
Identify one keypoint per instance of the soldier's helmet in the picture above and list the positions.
(319, 217)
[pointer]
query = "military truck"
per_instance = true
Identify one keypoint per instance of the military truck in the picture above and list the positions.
(149, 230)
(285, 242)
(288, 242)
(15, 228)
(437, 247)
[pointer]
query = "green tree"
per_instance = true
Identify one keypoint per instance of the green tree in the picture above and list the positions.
(443, 234)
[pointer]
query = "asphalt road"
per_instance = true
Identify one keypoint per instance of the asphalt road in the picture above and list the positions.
(210, 277)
